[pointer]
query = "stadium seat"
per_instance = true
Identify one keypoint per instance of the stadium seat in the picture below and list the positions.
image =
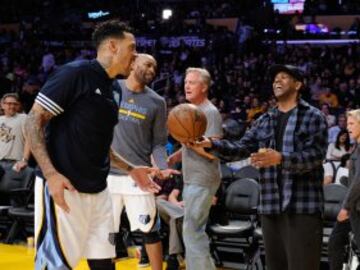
(247, 172)
(16, 189)
(234, 243)
(334, 195)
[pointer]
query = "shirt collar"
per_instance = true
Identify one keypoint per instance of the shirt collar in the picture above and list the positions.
(301, 104)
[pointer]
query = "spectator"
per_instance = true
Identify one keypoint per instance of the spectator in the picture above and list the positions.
(290, 155)
(14, 149)
(29, 92)
(171, 210)
(348, 217)
(330, 119)
(334, 131)
(254, 109)
(335, 175)
(344, 95)
(341, 147)
(327, 97)
(201, 175)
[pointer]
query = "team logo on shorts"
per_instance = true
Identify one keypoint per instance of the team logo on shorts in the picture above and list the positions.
(144, 219)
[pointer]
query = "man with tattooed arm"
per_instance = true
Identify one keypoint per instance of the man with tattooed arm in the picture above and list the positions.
(70, 129)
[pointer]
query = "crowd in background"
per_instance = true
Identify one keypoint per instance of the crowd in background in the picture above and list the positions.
(241, 88)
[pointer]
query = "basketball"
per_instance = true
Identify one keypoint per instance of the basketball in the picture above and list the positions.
(186, 123)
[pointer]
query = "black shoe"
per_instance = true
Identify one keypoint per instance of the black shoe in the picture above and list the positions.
(121, 254)
(172, 263)
(144, 262)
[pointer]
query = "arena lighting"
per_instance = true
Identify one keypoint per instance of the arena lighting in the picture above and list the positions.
(97, 14)
(318, 42)
(166, 14)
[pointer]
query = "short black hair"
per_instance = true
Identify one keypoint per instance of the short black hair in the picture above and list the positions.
(111, 28)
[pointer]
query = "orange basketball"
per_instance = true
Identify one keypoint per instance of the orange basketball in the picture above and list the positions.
(186, 123)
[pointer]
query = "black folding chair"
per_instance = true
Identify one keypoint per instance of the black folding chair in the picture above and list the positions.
(17, 189)
(234, 245)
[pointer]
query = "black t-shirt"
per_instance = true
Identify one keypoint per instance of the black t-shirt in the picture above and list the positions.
(78, 138)
(282, 120)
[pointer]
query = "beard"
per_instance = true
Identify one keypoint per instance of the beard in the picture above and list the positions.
(143, 78)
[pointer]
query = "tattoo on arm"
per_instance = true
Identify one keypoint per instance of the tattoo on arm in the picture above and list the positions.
(37, 118)
(120, 163)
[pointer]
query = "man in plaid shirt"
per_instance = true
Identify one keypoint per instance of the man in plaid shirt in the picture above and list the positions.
(288, 144)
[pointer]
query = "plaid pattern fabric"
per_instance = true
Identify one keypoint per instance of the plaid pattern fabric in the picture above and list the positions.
(303, 151)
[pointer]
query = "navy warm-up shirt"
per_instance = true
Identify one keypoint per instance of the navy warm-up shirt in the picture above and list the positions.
(78, 138)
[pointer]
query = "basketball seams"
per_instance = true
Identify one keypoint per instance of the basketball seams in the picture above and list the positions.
(181, 124)
(185, 122)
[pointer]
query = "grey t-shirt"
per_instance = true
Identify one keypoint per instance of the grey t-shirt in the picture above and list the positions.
(12, 139)
(197, 169)
(141, 130)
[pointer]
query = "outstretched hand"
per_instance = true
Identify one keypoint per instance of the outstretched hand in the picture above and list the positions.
(141, 175)
(166, 174)
(199, 146)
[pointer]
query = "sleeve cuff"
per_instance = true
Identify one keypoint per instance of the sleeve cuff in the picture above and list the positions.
(48, 104)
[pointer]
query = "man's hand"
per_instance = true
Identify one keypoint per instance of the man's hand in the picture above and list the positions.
(214, 200)
(204, 142)
(57, 183)
(200, 151)
(19, 165)
(266, 158)
(199, 146)
(180, 204)
(343, 215)
(166, 174)
(141, 176)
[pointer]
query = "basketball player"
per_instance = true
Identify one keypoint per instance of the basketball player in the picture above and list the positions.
(292, 139)
(201, 175)
(73, 213)
(140, 133)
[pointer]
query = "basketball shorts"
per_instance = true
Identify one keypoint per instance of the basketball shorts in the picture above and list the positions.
(140, 206)
(61, 238)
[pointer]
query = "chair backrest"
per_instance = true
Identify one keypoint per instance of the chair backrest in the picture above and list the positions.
(14, 180)
(334, 195)
(242, 196)
(247, 172)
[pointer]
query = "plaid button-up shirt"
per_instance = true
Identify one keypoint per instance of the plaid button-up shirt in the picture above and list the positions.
(304, 147)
